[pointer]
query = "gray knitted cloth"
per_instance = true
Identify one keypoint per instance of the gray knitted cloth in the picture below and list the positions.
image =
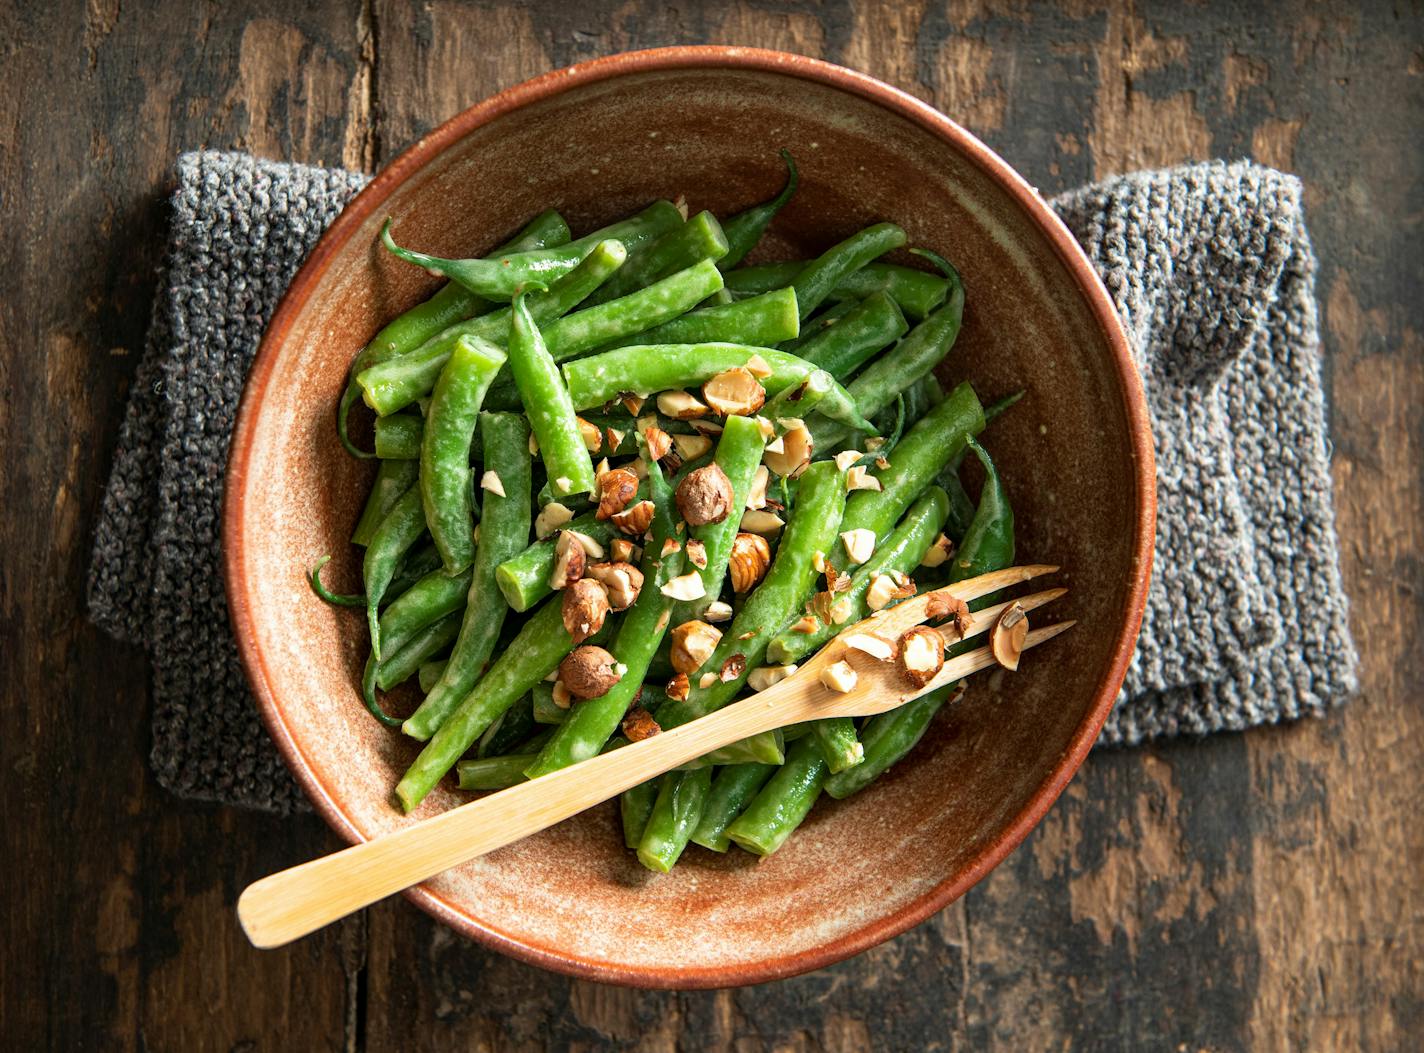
(1210, 266)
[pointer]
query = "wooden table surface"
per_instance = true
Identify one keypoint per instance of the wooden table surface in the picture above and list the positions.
(1258, 890)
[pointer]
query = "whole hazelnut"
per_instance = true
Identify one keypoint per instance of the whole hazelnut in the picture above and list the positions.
(588, 671)
(705, 496)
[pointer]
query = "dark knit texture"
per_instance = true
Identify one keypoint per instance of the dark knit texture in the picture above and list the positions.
(1210, 266)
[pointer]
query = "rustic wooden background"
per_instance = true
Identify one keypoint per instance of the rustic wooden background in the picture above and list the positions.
(1252, 891)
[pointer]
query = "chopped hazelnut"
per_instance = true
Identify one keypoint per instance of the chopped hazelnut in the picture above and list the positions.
(685, 587)
(585, 608)
(756, 494)
(615, 438)
(758, 366)
(859, 544)
(763, 677)
(639, 724)
(550, 518)
(938, 553)
(764, 523)
(706, 680)
(795, 453)
(691, 447)
(941, 605)
(880, 650)
(881, 592)
(697, 554)
(692, 644)
(921, 654)
(1009, 635)
(859, 478)
(491, 481)
(717, 611)
(806, 624)
(622, 580)
(747, 564)
(705, 496)
(632, 401)
(592, 437)
(839, 676)
(588, 671)
(846, 459)
(635, 520)
(679, 405)
(659, 443)
(678, 687)
(734, 392)
(620, 550)
(560, 693)
(591, 548)
(616, 488)
(569, 558)
(733, 667)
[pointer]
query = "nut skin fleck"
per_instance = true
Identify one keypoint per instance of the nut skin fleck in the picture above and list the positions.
(616, 488)
(588, 671)
(639, 724)
(705, 496)
(1008, 636)
(584, 608)
(733, 667)
(678, 687)
(697, 554)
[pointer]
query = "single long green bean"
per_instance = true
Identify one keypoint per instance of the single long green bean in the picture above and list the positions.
(699, 239)
(547, 403)
(783, 802)
(733, 787)
(872, 325)
(768, 319)
(504, 530)
(767, 748)
(917, 292)
(815, 282)
(533, 654)
(394, 384)
(546, 710)
(745, 229)
(739, 452)
(513, 728)
(649, 368)
(416, 563)
(445, 448)
(500, 277)
(492, 773)
(427, 642)
(592, 721)
(812, 528)
(813, 327)
(429, 673)
(887, 738)
(449, 305)
(431, 598)
(675, 814)
(393, 478)
(399, 530)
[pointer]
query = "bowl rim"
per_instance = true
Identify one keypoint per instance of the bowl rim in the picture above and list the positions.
(372, 198)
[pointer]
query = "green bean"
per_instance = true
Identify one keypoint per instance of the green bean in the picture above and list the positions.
(535, 653)
(814, 282)
(546, 711)
(449, 305)
(797, 400)
(768, 319)
(423, 645)
(398, 437)
(392, 385)
(417, 563)
(400, 529)
(393, 478)
(504, 530)
(901, 551)
(675, 814)
(872, 325)
(921, 397)
(767, 748)
(783, 802)
(820, 502)
(523, 579)
(429, 674)
(514, 727)
(887, 738)
(698, 240)
(634, 808)
(961, 508)
(745, 229)
(590, 722)
(733, 787)
(492, 773)
(648, 368)
(904, 364)
(445, 448)
(815, 326)
(917, 292)
(499, 277)
(428, 600)
(739, 452)
(580, 332)
(988, 544)
(351, 599)
(547, 403)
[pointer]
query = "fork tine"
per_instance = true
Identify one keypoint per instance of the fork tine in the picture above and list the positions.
(983, 657)
(899, 618)
(983, 620)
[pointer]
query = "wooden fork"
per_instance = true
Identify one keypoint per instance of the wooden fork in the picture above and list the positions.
(292, 903)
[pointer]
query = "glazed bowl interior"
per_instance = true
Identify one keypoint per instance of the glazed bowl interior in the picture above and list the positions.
(597, 144)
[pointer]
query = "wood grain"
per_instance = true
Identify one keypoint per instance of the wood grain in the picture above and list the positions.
(1251, 891)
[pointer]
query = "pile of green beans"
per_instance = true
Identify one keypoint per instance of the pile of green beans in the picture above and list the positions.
(566, 499)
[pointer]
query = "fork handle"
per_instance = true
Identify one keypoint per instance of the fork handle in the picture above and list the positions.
(292, 903)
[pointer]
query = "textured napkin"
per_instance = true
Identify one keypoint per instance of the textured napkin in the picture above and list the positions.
(1210, 266)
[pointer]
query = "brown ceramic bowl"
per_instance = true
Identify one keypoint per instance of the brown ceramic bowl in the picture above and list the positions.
(596, 141)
